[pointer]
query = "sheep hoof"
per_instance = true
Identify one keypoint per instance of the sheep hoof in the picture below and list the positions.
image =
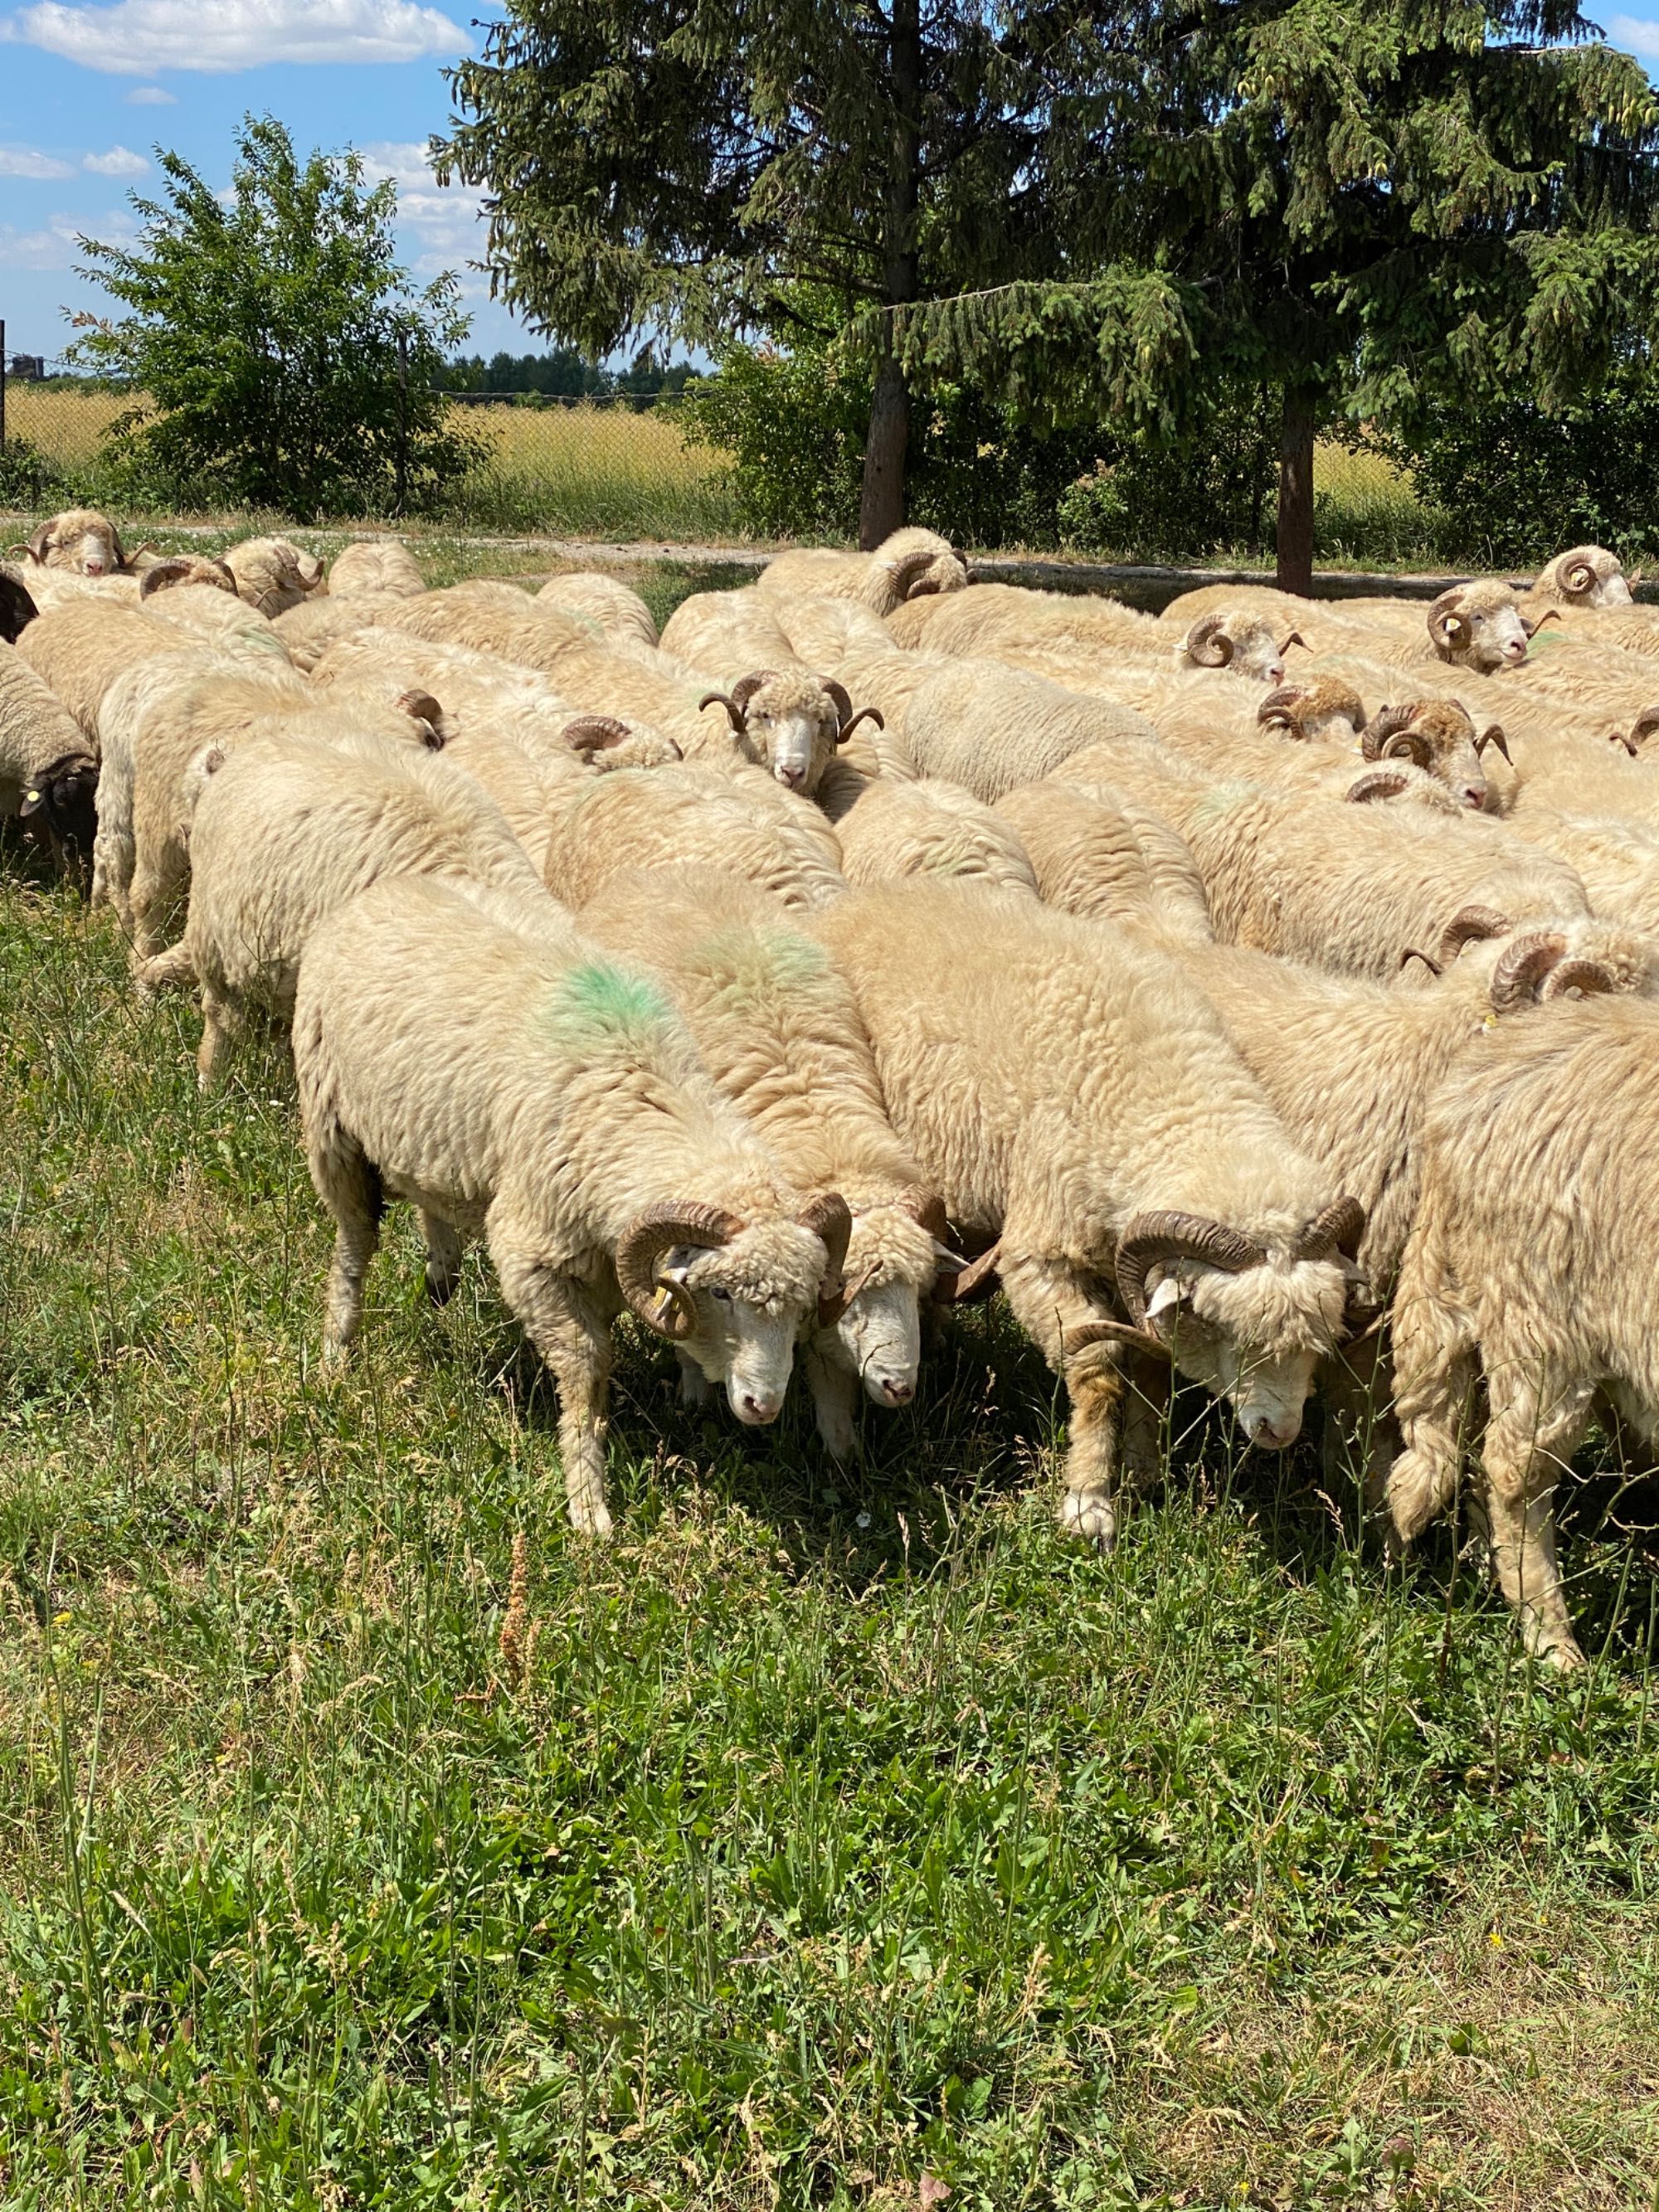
(591, 1520)
(1090, 1516)
(1557, 1648)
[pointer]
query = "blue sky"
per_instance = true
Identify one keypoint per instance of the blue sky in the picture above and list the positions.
(88, 87)
(89, 90)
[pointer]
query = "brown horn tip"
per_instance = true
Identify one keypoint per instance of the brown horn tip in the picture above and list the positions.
(592, 733)
(1493, 735)
(734, 711)
(1380, 783)
(1412, 953)
(1338, 1227)
(977, 1279)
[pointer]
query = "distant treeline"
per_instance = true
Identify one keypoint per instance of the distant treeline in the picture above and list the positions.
(563, 375)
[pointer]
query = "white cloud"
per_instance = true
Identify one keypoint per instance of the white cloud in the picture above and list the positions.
(119, 161)
(136, 37)
(1634, 35)
(25, 161)
(445, 223)
(151, 96)
(54, 248)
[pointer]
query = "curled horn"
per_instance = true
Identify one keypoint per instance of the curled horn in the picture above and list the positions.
(1337, 1227)
(1533, 623)
(842, 698)
(1277, 712)
(1493, 735)
(1152, 1236)
(1589, 977)
(1468, 925)
(746, 686)
(1576, 570)
(36, 548)
(122, 560)
(1446, 621)
(830, 1217)
(1296, 638)
(724, 699)
(1519, 978)
(864, 715)
(1643, 727)
(1383, 725)
(1412, 953)
(591, 733)
(928, 1207)
(653, 1232)
(184, 569)
(1622, 738)
(910, 578)
(1380, 783)
(1208, 645)
(1074, 1342)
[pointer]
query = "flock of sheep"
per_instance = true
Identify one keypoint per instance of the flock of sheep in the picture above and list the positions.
(1266, 990)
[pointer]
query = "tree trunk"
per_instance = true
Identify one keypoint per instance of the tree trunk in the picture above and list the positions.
(1295, 500)
(881, 510)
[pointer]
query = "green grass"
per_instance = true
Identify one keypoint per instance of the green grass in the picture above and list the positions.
(837, 1828)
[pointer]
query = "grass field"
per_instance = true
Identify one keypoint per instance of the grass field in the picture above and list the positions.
(367, 1841)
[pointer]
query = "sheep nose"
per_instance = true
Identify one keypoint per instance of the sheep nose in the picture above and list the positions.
(758, 1410)
(1516, 648)
(787, 772)
(1474, 794)
(896, 1393)
(1268, 1435)
(1275, 671)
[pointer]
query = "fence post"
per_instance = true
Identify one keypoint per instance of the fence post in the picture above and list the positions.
(402, 481)
(2, 387)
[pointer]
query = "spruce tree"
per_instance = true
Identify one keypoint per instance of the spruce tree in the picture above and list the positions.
(1380, 209)
(697, 168)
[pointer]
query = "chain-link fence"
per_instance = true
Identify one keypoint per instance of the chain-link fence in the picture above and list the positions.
(595, 467)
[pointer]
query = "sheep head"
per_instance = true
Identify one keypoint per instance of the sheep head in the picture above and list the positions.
(60, 807)
(1639, 732)
(912, 564)
(1323, 709)
(732, 1294)
(872, 1327)
(791, 724)
(1401, 779)
(1248, 1318)
(1588, 576)
(1478, 626)
(1437, 736)
(1239, 639)
(272, 574)
(82, 539)
(185, 569)
(1581, 957)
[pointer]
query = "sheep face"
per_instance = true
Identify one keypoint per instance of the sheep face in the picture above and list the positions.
(1238, 639)
(1323, 711)
(1252, 1337)
(1588, 576)
(80, 539)
(61, 808)
(891, 1259)
(790, 724)
(748, 1300)
(1438, 737)
(1479, 627)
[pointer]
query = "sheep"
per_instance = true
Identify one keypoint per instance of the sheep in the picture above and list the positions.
(1095, 854)
(144, 847)
(1438, 737)
(1347, 887)
(779, 1031)
(741, 822)
(621, 614)
(375, 568)
(726, 633)
(1530, 1258)
(17, 607)
(80, 539)
(1239, 639)
(790, 723)
(491, 618)
(1476, 626)
(912, 564)
(1586, 576)
(80, 649)
(1069, 1094)
(307, 631)
(209, 610)
(48, 774)
(990, 728)
(286, 828)
(1350, 1067)
(823, 632)
(929, 828)
(184, 569)
(1283, 610)
(272, 574)
(461, 1051)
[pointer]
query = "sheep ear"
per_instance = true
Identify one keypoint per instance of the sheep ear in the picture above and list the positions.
(1169, 1292)
(32, 801)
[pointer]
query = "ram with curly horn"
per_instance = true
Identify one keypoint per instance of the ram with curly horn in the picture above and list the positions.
(790, 723)
(1069, 1093)
(1240, 640)
(1585, 576)
(913, 565)
(779, 1032)
(568, 1120)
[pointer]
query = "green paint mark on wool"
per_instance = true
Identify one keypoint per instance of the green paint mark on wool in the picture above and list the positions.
(598, 1000)
(745, 955)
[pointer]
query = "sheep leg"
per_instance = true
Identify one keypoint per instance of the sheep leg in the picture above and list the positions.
(221, 1027)
(1050, 1301)
(1433, 1345)
(835, 1398)
(571, 1330)
(1145, 1449)
(1537, 1419)
(158, 890)
(350, 1186)
(443, 1257)
(696, 1389)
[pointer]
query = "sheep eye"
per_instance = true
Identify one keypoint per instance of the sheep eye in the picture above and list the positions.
(725, 1296)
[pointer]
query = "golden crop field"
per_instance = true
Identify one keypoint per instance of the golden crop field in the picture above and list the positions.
(68, 426)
